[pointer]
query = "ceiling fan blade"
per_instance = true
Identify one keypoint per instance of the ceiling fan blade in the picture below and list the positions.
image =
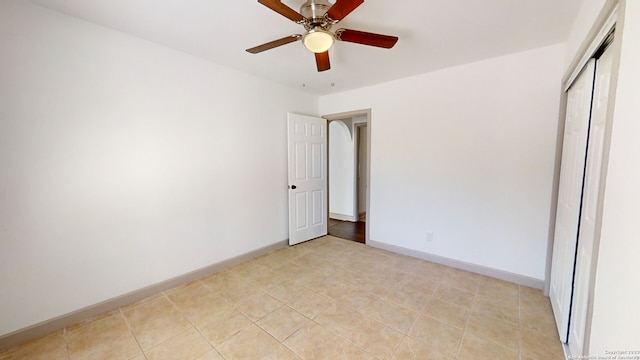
(342, 8)
(322, 61)
(366, 38)
(282, 9)
(274, 43)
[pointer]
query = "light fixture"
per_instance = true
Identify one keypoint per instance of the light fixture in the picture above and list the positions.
(318, 40)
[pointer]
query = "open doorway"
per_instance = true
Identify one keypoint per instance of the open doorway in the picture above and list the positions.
(349, 154)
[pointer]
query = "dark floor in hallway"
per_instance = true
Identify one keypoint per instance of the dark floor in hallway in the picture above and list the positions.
(347, 230)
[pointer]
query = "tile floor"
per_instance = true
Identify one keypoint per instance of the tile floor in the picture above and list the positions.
(324, 299)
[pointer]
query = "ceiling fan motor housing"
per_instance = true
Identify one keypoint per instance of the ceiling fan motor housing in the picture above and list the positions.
(314, 11)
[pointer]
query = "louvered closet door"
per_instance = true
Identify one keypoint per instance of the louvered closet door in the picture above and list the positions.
(572, 171)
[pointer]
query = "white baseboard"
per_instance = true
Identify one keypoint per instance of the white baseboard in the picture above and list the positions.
(478, 269)
(343, 217)
(66, 320)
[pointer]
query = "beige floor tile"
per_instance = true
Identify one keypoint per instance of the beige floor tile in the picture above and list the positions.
(334, 288)
(453, 295)
(310, 279)
(541, 346)
(376, 338)
(109, 322)
(148, 310)
(314, 342)
(187, 346)
(143, 301)
(283, 322)
(429, 270)
(50, 347)
(224, 325)
(248, 268)
(448, 313)
(281, 352)
(380, 284)
(499, 331)
(462, 280)
(278, 258)
(155, 322)
(285, 290)
(104, 337)
(203, 310)
(411, 293)
(442, 338)
(187, 295)
(221, 280)
(497, 309)
(534, 300)
(310, 303)
(411, 349)
(293, 269)
(538, 320)
(112, 346)
(499, 290)
(250, 343)
(234, 293)
(210, 355)
(258, 306)
(526, 291)
(393, 315)
(263, 278)
(475, 348)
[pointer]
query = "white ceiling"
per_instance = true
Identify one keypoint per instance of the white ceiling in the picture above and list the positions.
(434, 34)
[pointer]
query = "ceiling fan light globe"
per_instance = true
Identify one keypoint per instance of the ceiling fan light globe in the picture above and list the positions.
(318, 40)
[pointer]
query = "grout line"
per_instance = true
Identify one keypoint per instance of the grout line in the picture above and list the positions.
(126, 321)
(66, 343)
(519, 325)
(466, 325)
(192, 324)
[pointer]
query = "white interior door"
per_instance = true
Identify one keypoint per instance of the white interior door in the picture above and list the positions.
(590, 204)
(570, 196)
(307, 152)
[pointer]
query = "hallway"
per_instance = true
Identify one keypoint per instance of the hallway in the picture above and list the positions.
(354, 231)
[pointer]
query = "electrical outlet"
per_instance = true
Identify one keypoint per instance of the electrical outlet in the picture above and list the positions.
(429, 236)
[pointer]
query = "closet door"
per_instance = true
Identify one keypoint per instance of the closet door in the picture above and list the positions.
(572, 170)
(591, 189)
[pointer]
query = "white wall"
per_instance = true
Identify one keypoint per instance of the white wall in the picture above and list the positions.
(467, 153)
(123, 163)
(582, 24)
(616, 309)
(341, 170)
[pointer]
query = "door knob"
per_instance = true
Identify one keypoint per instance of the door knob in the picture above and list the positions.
(292, 187)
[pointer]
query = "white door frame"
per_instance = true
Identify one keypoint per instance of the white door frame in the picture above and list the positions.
(351, 114)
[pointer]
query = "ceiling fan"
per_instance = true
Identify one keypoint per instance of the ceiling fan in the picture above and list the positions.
(317, 17)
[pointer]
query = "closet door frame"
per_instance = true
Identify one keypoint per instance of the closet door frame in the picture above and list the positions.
(593, 42)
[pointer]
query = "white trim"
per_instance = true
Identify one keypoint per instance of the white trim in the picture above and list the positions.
(60, 322)
(474, 268)
(595, 44)
(342, 217)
